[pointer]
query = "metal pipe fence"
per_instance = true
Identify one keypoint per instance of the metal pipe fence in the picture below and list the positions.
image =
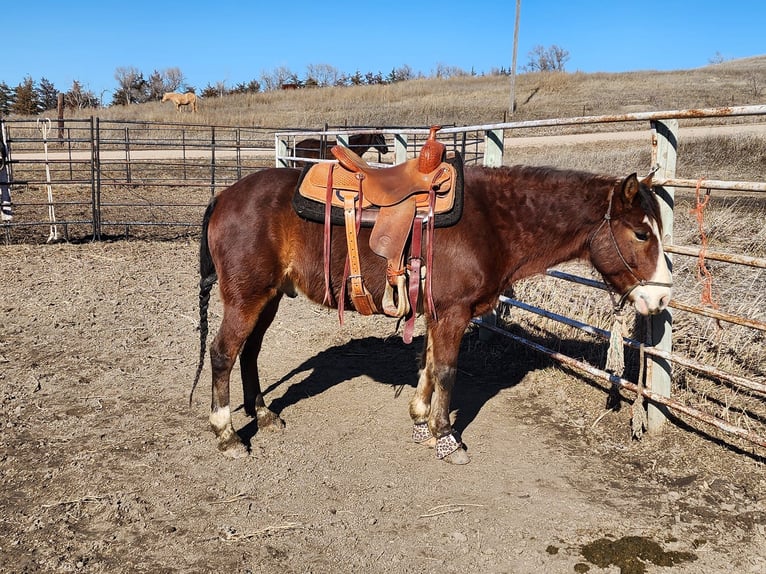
(113, 177)
(110, 178)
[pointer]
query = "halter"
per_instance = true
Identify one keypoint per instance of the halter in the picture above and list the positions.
(639, 282)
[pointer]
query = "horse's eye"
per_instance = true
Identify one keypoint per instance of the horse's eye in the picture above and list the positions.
(641, 235)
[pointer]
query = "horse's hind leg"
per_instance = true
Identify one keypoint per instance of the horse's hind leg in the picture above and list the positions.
(255, 406)
(237, 324)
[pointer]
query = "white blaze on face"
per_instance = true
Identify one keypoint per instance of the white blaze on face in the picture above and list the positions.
(652, 299)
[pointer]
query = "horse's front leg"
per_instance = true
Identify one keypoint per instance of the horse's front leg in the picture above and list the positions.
(420, 404)
(437, 379)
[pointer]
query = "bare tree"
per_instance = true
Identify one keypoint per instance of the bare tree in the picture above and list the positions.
(323, 74)
(444, 71)
(551, 59)
(274, 80)
(174, 78)
(127, 77)
(717, 58)
(78, 97)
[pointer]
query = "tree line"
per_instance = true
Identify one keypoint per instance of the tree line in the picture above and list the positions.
(133, 87)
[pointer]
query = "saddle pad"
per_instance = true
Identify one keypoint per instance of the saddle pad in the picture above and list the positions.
(310, 204)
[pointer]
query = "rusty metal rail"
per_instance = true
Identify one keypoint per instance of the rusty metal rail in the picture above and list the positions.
(712, 184)
(713, 314)
(648, 350)
(668, 402)
(718, 255)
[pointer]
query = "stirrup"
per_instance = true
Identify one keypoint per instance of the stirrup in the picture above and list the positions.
(402, 305)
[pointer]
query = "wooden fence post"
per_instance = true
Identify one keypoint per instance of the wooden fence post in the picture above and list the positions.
(281, 145)
(493, 148)
(400, 148)
(664, 150)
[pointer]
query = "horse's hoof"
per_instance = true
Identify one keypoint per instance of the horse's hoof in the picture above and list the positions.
(267, 420)
(232, 446)
(450, 449)
(430, 443)
(459, 456)
(236, 450)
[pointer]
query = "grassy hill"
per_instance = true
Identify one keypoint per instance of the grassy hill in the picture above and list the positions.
(477, 100)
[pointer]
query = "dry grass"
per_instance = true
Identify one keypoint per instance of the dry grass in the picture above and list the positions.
(476, 100)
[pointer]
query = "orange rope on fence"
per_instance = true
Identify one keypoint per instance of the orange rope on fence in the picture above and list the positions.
(703, 273)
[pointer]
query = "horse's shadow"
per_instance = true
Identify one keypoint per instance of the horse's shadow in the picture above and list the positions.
(484, 369)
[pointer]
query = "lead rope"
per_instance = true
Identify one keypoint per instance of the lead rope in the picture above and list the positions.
(615, 356)
(703, 273)
(639, 421)
(45, 127)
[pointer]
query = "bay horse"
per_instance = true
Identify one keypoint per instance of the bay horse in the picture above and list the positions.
(316, 148)
(187, 99)
(516, 222)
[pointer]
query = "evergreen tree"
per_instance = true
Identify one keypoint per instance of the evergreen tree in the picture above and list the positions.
(26, 102)
(210, 91)
(48, 95)
(6, 99)
(156, 86)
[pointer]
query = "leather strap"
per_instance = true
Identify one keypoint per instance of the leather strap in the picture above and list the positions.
(327, 300)
(361, 298)
(414, 283)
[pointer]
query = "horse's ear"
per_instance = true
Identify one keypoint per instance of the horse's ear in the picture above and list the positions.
(648, 179)
(630, 187)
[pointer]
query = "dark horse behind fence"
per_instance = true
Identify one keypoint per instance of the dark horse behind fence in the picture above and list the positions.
(516, 222)
(316, 148)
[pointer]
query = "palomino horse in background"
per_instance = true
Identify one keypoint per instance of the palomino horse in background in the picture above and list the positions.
(316, 148)
(516, 222)
(187, 99)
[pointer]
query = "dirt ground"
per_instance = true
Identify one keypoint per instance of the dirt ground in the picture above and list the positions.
(105, 468)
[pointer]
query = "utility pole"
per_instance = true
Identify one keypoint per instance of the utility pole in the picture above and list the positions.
(513, 62)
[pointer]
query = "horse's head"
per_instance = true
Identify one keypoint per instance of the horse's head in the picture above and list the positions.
(626, 247)
(379, 143)
(166, 97)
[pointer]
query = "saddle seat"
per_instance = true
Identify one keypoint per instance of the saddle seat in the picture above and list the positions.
(391, 185)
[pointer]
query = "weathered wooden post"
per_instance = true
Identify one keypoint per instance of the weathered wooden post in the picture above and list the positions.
(60, 110)
(664, 150)
(493, 148)
(281, 145)
(400, 148)
(493, 157)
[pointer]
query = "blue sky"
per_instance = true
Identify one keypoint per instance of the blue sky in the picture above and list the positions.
(232, 42)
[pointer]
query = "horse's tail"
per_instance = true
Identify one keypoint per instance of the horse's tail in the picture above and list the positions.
(208, 278)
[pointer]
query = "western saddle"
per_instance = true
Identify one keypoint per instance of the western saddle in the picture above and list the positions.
(397, 202)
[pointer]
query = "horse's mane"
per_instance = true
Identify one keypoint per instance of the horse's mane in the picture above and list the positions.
(646, 196)
(650, 204)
